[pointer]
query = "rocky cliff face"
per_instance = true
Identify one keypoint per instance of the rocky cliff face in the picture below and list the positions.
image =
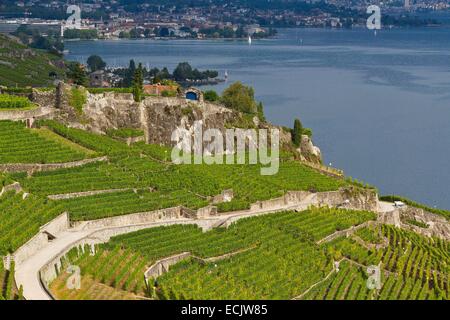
(112, 111)
(158, 117)
(308, 151)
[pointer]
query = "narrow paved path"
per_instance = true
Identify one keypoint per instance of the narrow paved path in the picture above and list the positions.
(27, 272)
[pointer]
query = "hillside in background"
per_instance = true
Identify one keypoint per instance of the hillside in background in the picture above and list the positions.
(23, 66)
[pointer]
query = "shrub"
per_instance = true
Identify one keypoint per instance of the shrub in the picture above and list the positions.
(125, 133)
(13, 102)
(211, 95)
(297, 133)
(18, 90)
(103, 90)
(77, 99)
(168, 93)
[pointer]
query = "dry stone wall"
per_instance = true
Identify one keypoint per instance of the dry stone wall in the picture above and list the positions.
(40, 240)
(35, 167)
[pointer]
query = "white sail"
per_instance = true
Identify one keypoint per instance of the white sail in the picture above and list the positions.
(249, 40)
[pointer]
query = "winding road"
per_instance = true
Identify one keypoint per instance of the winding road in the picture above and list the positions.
(27, 272)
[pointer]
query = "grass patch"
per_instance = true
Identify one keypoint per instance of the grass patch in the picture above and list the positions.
(125, 133)
(10, 102)
(48, 134)
(417, 223)
(103, 90)
(77, 99)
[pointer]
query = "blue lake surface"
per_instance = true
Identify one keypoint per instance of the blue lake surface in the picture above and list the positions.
(379, 106)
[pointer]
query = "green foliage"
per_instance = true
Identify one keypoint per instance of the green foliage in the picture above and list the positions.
(36, 69)
(103, 90)
(307, 131)
(120, 203)
(260, 110)
(168, 93)
(77, 99)
(211, 95)
(392, 198)
(139, 167)
(240, 97)
(184, 72)
(14, 102)
(95, 63)
(414, 267)
(121, 269)
(138, 83)
(77, 73)
(125, 133)
(278, 256)
(274, 249)
(23, 90)
(102, 144)
(20, 218)
(417, 223)
(21, 145)
(297, 132)
(80, 34)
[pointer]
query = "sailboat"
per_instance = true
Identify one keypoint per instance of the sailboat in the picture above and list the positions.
(249, 40)
(226, 75)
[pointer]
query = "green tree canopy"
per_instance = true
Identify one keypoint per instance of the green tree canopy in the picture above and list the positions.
(240, 97)
(183, 71)
(138, 84)
(95, 63)
(297, 132)
(76, 72)
(211, 95)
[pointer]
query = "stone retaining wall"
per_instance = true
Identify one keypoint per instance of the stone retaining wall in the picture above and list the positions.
(13, 115)
(349, 198)
(163, 265)
(130, 219)
(41, 239)
(35, 167)
(437, 226)
(44, 98)
(83, 194)
(50, 271)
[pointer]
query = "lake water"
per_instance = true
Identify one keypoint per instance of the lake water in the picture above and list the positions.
(379, 106)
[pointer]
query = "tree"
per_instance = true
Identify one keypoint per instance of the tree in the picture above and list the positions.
(163, 74)
(163, 32)
(183, 71)
(240, 97)
(138, 84)
(77, 73)
(211, 95)
(260, 109)
(297, 133)
(128, 78)
(95, 63)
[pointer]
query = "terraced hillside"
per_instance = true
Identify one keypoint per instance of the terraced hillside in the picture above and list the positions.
(413, 267)
(270, 257)
(21, 145)
(22, 66)
(139, 178)
(277, 257)
(8, 290)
